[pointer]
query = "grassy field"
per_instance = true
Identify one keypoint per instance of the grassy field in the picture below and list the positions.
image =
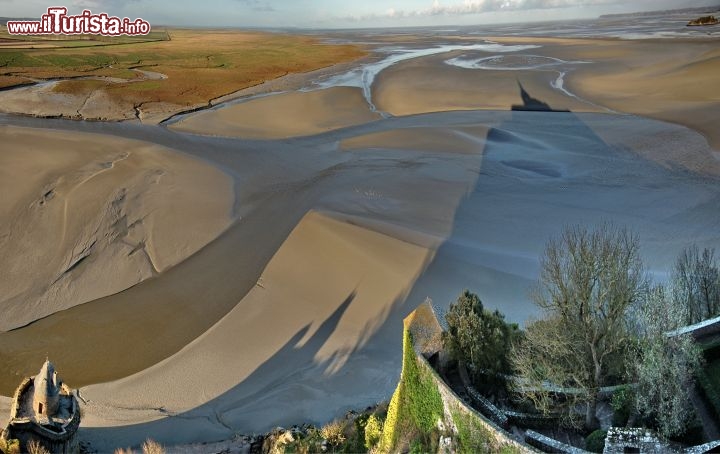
(199, 64)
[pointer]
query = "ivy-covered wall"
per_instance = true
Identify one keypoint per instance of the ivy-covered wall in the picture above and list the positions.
(425, 415)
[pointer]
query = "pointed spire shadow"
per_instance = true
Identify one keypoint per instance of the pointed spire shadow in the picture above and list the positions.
(532, 104)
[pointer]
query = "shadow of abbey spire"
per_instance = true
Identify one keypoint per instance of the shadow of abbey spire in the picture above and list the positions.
(532, 104)
(538, 170)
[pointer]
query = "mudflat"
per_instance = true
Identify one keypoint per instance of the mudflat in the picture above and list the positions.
(262, 254)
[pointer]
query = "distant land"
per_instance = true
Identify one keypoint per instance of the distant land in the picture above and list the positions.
(705, 20)
(4, 20)
(695, 10)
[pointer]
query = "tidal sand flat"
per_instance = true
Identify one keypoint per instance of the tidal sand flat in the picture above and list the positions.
(462, 140)
(265, 283)
(670, 80)
(474, 80)
(316, 333)
(318, 304)
(283, 115)
(86, 216)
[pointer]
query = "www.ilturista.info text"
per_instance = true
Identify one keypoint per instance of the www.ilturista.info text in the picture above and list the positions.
(57, 22)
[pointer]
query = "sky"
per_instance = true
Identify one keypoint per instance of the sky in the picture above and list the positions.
(344, 13)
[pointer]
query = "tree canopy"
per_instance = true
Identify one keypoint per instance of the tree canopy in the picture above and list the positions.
(696, 284)
(589, 279)
(664, 364)
(478, 337)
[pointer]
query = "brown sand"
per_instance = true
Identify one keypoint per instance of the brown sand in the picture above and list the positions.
(429, 85)
(409, 208)
(85, 217)
(671, 80)
(283, 115)
(321, 322)
(5, 403)
(324, 266)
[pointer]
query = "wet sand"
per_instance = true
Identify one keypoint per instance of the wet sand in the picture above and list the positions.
(326, 282)
(432, 85)
(670, 80)
(282, 115)
(462, 140)
(345, 223)
(82, 220)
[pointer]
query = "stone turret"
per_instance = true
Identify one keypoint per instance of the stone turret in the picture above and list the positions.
(44, 410)
(46, 396)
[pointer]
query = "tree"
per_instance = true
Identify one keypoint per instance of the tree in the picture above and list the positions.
(373, 432)
(696, 283)
(588, 281)
(11, 446)
(334, 433)
(478, 337)
(665, 364)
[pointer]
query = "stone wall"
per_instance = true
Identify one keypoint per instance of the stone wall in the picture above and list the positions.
(454, 404)
(426, 332)
(15, 406)
(700, 331)
(547, 444)
(61, 441)
(56, 440)
(426, 335)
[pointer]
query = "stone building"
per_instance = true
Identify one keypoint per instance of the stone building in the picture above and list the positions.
(45, 410)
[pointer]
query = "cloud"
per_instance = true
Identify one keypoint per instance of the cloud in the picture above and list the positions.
(483, 6)
(101, 5)
(466, 7)
(258, 5)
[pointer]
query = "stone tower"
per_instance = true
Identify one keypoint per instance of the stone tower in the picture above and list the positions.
(46, 396)
(44, 410)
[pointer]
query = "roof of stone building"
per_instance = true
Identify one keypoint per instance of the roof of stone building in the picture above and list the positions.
(45, 382)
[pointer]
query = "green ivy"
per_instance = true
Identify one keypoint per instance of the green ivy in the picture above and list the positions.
(416, 405)
(423, 398)
(471, 437)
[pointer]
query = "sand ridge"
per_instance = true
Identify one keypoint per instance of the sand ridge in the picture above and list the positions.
(282, 115)
(85, 220)
(347, 222)
(321, 298)
(324, 287)
(670, 80)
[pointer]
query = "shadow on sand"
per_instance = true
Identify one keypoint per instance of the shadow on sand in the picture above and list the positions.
(466, 258)
(292, 374)
(311, 390)
(529, 186)
(532, 104)
(538, 170)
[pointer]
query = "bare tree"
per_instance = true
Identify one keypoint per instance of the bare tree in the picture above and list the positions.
(588, 281)
(696, 283)
(665, 364)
